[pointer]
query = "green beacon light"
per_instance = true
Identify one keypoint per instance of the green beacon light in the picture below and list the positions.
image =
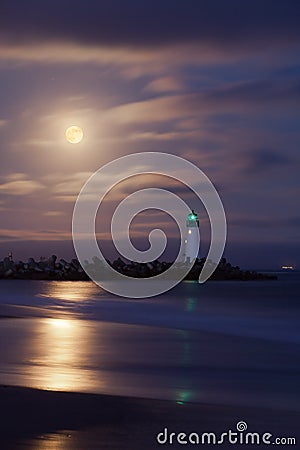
(192, 220)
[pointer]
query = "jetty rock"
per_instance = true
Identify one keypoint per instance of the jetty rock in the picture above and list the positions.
(52, 269)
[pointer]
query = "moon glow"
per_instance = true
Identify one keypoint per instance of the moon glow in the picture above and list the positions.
(74, 134)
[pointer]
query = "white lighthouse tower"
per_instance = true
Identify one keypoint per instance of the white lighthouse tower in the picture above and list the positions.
(192, 239)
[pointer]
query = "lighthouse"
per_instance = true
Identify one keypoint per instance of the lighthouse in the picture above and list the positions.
(192, 239)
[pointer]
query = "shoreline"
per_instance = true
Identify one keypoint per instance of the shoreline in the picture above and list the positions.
(51, 419)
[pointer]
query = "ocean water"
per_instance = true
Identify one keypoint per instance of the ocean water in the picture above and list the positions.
(235, 343)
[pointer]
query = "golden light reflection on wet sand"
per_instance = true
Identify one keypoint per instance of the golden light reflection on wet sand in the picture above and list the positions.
(52, 441)
(62, 349)
(70, 291)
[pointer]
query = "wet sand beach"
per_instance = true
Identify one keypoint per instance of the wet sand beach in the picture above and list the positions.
(35, 419)
(83, 370)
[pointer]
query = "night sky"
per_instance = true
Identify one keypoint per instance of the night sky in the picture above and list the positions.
(216, 82)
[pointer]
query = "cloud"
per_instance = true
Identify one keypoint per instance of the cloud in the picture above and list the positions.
(152, 110)
(234, 98)
(3, 123)
(38, 143)
(70, 52)
(34, 235)
(165, 136)
(165, 84)
(293, 221)
(134, 62)
(263, 222)
(147, 24)
(54, 213)
(260, 160)
(71, 185)
(258, 91)
(249, 222)
(133, 33)
(19, 184)
(67, 198)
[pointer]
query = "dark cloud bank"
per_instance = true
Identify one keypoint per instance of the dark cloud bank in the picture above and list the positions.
(148, 23)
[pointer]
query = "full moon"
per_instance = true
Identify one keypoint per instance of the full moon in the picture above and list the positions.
(74, 134)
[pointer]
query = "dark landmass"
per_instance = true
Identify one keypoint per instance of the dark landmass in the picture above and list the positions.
(52, 269)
